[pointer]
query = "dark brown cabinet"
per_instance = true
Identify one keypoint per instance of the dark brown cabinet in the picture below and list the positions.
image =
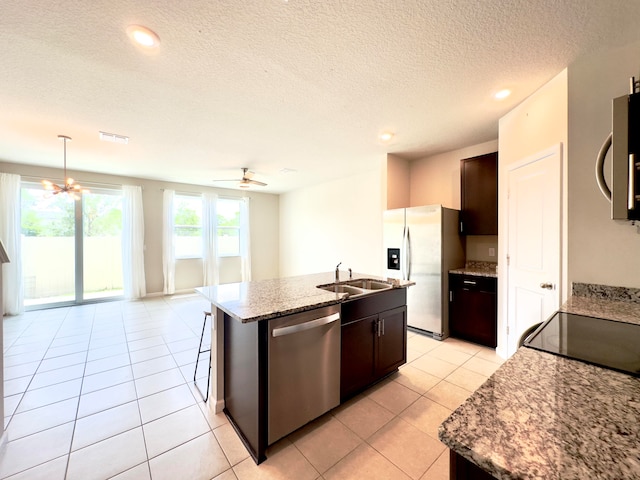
(479, 195)
(373, 344)
(462, 469)
(473, 308)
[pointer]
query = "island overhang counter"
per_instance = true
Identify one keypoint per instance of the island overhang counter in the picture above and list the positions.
(243, 315)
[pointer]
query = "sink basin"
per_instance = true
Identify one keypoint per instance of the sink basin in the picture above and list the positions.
(368, 284)
(351, 290)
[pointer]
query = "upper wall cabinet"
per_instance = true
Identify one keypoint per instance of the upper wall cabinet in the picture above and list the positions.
(479, 190)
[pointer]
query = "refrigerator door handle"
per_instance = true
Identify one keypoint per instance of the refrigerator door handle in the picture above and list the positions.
(408, 254)
(403, 261)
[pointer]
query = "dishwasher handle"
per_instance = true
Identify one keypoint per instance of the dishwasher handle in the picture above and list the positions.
(301, 327)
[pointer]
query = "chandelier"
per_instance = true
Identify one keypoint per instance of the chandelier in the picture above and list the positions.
(69, 187)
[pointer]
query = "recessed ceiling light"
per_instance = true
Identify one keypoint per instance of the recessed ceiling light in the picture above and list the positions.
(386, 136)
(502, 94)
(143, 36)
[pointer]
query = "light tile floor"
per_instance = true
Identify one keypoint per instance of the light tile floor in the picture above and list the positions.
(105, 391)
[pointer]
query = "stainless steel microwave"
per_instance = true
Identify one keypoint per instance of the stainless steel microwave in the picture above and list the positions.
(624, 141)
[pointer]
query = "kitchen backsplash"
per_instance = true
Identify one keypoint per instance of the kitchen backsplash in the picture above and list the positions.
(606, 292)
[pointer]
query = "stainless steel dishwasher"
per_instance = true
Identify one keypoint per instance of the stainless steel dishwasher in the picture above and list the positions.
(303, 379)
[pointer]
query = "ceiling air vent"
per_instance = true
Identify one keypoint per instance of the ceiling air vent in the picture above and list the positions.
(114, 138)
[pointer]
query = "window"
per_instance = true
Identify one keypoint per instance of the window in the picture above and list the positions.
(187, 226)
(71, 250)
(228, 227)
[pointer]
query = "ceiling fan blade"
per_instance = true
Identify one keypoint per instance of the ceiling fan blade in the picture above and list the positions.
(226, 180)
(256, 182)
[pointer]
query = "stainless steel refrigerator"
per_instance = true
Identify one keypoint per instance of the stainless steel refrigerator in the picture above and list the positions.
(422, 244)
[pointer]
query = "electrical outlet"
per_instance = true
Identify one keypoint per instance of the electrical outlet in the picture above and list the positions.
(492, 252)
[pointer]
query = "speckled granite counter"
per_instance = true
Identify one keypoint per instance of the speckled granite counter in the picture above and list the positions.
(478, 269)
(266, 299)
(542, 416)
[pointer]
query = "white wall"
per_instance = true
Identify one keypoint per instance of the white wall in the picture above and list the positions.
(264, 225)
(538, 123)
(600, 250)
(337, 221)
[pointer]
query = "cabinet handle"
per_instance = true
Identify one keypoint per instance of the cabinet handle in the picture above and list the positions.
(301, 327)
(469, 282)
(383, 326)
(378, 328)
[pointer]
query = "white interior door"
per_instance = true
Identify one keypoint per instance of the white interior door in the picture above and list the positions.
(534, 242)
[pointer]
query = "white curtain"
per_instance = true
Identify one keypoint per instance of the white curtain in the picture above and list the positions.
(210, 274)
(168, 250)
(133, 243)
(10, 234)
(245, 240)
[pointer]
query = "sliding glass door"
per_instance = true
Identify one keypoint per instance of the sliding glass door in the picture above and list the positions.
(71, 250)
(102, 244)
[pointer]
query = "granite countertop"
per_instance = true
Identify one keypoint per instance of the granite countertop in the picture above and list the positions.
(266, 299)
(478, 269)
(542, 416)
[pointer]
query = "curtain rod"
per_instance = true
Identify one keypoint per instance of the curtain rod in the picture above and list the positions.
(197, 194)
(95, 184)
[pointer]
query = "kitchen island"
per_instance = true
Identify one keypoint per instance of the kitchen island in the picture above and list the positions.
(251, 318)
(543, 416)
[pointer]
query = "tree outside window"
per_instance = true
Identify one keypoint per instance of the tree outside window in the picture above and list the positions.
(187, 226)
(228, 227)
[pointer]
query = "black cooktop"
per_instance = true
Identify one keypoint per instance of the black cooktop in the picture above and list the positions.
(606, 343)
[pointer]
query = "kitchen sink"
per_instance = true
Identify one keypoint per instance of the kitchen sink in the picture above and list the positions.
(361, 286)
(368, 284)
(340, 288)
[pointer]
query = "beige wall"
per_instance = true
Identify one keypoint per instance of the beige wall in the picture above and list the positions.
(538, 123)
(398, 182)
(600, 250)
(337, 221)
(436, 180)
(264, 212)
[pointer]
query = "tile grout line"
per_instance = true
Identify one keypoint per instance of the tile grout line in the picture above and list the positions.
(75, 421)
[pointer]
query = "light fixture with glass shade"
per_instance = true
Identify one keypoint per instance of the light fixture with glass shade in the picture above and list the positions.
(69, 187)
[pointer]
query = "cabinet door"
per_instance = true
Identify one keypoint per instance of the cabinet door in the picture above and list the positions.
(472, 316)
(479, 195)
(391, 337)
(357, 368)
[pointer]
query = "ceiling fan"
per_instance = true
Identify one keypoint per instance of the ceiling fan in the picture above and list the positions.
(246, 181)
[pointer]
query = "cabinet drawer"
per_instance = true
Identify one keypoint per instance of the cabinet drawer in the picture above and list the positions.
(473, 282)
(372, 304)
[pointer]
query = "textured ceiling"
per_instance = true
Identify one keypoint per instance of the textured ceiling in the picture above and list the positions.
(306, 85)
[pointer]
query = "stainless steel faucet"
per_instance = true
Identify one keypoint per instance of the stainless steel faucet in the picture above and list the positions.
(338, 272)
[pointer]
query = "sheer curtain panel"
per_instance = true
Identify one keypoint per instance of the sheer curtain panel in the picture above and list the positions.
(10, 230)
(133, 243)
(210, 274)
(245, 240)
(168, 250)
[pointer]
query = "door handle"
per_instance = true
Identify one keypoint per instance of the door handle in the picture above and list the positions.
(301, 327)
(548, 286)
